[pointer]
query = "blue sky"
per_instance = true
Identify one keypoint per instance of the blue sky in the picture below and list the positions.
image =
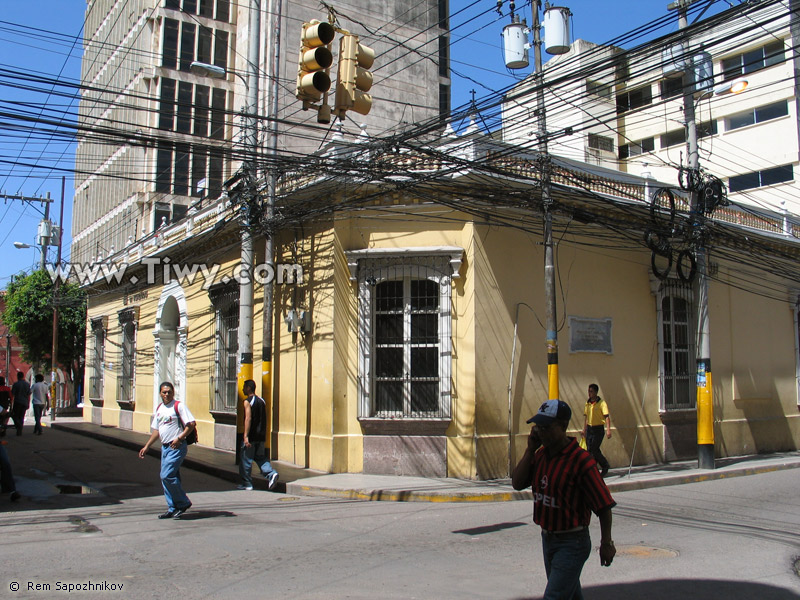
(476, 53)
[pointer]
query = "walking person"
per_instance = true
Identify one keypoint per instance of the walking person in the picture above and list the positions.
(21, 400)
(167, 427)
(597, 419)
(7, 483)
(40, 397)
(255, 439)
(5, 405)
(567, 488)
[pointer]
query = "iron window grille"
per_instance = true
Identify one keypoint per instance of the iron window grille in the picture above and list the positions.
(224, 392)
(405, 338)
(677, 316)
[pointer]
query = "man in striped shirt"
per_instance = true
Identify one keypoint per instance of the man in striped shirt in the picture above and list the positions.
(567, 488)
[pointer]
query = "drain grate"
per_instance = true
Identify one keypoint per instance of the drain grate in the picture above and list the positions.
(76, 489)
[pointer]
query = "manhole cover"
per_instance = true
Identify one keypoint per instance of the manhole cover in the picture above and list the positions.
(75, 489)
(645, 552)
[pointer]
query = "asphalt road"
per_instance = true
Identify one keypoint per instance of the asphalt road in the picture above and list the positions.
(731, 539)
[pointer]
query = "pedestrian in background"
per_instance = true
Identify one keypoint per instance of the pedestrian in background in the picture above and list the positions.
(255, 439)
(567, 488)
(40, 397)
(597, 419)
(21, 398)
(7, 483)
(167, 426)
(5, 405)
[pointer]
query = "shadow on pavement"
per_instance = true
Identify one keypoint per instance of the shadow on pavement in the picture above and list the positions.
(697, 589)
(196, 515)
(490, 528)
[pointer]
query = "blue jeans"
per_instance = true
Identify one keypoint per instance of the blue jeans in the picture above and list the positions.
(6, 477)
(256, 452)
(38, 409)
(564, 557)
(171, 477)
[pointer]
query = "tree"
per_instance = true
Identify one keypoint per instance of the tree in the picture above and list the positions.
(29, 316)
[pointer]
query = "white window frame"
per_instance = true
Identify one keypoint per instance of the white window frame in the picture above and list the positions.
(371, 267)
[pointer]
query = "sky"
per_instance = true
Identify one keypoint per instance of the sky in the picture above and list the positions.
(49, 46)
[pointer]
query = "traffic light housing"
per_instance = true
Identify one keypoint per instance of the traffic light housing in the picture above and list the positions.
(353, 79)
(315, 58)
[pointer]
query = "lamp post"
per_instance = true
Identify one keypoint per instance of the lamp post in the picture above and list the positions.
(250, 170)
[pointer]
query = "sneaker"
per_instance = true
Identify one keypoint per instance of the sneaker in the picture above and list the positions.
(167, 515)
(180, 512)
(242, 486)
(15, 495)
(272, 480)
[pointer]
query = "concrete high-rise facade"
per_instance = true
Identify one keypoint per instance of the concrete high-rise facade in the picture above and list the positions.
(156, 139)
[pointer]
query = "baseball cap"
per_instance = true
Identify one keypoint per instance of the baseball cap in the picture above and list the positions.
(550, 411)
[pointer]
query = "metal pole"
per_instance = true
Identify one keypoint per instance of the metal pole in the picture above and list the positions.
(272, 184)
(45, 241)
(56, 285)
(705, 406)
(547, 202)
(245, 333)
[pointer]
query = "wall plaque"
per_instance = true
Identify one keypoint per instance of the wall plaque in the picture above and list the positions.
(590, 335)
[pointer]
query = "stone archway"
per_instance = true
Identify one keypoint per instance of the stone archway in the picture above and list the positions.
(170, 334)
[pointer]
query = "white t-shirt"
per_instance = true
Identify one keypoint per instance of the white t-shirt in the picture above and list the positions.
(39, 392)
(166, 421)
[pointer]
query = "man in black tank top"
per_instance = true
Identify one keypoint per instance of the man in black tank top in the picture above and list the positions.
(254, 440)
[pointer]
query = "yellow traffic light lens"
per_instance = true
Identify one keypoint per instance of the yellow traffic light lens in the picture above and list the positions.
(318, 34)
(317, 58)
(315, 83)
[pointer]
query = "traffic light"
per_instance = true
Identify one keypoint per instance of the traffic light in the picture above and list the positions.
(353, 79)
(312, 77)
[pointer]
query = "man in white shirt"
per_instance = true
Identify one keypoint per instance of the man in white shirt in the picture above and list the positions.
(40, 396)
(165, 425)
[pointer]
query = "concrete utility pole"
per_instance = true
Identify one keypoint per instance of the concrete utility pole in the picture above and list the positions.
(251, 182)
(551, 323)
(272, 184)
(705, 406)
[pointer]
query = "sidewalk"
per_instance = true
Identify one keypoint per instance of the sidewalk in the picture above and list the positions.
(307, 482)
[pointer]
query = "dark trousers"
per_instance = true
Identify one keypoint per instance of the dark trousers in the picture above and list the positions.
(38, 409)
(18, 414)
(594, 437)
(6, 478)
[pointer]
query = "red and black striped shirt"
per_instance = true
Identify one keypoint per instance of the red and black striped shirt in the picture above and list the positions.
(567, 488)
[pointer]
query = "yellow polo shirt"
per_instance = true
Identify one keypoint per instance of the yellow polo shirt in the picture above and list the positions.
(596, 413)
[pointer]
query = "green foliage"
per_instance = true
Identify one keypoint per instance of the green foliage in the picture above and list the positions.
(29, 316)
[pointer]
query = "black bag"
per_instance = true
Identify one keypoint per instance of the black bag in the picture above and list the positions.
(192, 437)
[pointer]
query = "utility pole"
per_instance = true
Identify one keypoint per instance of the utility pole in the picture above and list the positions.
(56, 284)
(250, 166)
(272, 184)
(547, 203)
(705, 406)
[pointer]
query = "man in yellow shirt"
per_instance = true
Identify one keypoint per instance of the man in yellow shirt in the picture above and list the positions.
(597, 418)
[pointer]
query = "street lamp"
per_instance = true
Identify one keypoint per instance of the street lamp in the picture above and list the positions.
(24, 246)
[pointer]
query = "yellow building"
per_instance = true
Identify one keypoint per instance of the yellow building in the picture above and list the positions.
(409, 319)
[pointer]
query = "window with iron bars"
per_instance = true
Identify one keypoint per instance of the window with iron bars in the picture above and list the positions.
(678, 348)
(98, 358)
(224, 391)
(128, 359)
(405, 345)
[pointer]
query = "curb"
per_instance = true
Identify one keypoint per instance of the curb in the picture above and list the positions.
(301, 488)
